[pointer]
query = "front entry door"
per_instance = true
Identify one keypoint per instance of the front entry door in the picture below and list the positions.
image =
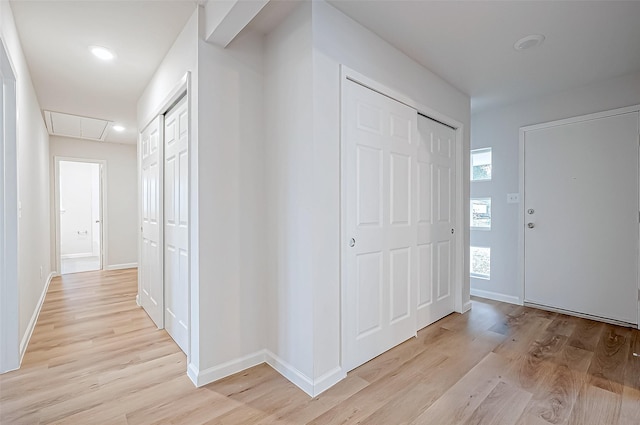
(581, 217)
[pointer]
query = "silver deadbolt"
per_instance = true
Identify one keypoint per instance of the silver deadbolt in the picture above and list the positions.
(352, 242)
(530, 211)
(531, 225)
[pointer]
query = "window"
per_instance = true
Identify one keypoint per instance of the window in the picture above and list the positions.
(481, 213)
(481, 164)
(480, 262)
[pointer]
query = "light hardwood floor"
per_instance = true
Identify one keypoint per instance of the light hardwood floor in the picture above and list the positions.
(96, 358)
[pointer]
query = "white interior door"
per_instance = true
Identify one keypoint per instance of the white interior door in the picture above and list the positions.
(176, 223)
(151, 276)
(436, 209)
(581, 215)
(381, 148)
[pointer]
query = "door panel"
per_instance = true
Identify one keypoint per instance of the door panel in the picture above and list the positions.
(176, 224)
(370, 288)
(151, 280)
(581, 181)
(381, 269)
(400, 284)
(436, 165)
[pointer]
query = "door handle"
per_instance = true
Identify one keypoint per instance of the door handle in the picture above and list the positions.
(352, 242)
(531, 225)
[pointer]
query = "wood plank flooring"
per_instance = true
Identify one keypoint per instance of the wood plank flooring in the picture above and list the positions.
(96, 358)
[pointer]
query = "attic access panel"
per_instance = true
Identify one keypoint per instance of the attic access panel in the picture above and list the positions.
(76, 126)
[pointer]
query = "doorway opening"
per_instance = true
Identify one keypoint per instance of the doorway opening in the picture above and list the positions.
(79, 207)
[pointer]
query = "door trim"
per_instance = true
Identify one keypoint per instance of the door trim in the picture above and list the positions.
(521, 185)
(9, 300)
(103, 207)
(459, 275)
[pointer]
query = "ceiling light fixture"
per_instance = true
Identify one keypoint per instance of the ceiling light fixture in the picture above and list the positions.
(529, 42)
(118, 128)
(102, 53)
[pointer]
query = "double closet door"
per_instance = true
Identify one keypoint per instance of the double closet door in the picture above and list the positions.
(164, 256)
(398, 219)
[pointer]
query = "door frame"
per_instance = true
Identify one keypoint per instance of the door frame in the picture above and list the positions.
(180, 90)
(103, 207)
(9, 288)
(459, 275)
(521, 172)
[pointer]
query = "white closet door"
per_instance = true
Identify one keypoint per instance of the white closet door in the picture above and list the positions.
(381, 148)
(176, 223)
(151, 284)
(581, 201)
(436, 209)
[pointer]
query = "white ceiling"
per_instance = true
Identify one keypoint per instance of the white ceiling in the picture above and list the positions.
(470, 43)
(55, 36)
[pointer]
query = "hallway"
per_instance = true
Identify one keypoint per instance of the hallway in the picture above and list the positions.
(96, 358)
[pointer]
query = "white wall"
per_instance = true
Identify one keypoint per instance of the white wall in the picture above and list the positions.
(76, 208)
(265, 188)
(231, 206)
(33, 184)
(302, 95)
(227, 225)
(288, 112)
(499, 129)
(181, 58)
(121, 195)
(340, 40)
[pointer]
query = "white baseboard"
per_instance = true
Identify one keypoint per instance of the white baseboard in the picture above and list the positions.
(138, 300)
(466, 307)
(80, 255)
(298, 378)
(207, 376)
(328, 380)
(302, 381)
(121, 266)
(496, 296)
(34, 317)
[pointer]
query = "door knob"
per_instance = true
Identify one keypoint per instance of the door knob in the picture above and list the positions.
(531, 225)
(352, 242)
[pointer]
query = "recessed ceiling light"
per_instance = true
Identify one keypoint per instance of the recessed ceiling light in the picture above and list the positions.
(529, 42)
(118, 128)
(102, 53)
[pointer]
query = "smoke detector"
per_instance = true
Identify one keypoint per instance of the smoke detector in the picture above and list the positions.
(529, 42)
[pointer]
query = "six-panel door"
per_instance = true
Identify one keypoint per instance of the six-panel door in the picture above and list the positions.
(176, 223)
(398, 215)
